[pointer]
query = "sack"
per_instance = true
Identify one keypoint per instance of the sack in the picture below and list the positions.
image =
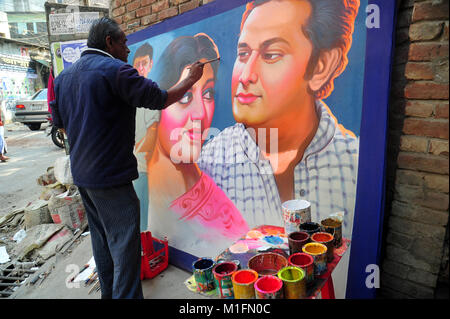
(63, 174)
(37, 213)
(68, 209)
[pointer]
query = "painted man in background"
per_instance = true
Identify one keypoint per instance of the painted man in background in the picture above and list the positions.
(143, 59)
(286, 143)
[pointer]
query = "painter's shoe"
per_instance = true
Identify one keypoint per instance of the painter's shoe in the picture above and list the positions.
(4, 158)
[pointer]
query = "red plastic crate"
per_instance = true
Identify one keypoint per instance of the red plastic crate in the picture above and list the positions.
(153, 262)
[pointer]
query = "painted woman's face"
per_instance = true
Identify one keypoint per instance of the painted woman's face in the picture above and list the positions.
(184, 125)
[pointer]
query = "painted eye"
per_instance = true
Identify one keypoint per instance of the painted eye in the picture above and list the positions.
(208, 94)
(243, 55)
(272, 57)
(186, 98)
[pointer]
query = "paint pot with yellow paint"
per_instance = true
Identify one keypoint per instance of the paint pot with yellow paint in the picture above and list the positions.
(294, 282)
(243, 283)
(319, 253)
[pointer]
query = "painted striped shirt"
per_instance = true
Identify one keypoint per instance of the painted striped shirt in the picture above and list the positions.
(326, 176)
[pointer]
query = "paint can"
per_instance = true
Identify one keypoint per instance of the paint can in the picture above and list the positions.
(269, 287)
(305, 262)
(334, 227)
(310, 228)
(222, 278)
(296, 241)
(319, 253)
(243, 283)
(203, 274)
(294, 282)
(295, 212)
(328, 240)
(267, 263)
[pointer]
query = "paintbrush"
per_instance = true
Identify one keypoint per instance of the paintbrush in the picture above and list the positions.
(209, 61)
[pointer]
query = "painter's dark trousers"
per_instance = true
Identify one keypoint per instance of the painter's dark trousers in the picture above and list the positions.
(114, 221)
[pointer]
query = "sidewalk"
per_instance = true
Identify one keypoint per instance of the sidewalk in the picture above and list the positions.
(169, 284)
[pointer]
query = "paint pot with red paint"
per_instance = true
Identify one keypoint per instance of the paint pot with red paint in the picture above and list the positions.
(294, 282)
(269, 287)
(203, 275)
(305, 262)
(296, 241)
(295, 212)
(319, 253)
(222, 278)
(243, 283)
(328, 240)
(267, 263)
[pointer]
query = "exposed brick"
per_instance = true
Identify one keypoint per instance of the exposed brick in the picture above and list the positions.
(430, 11)
(119, 20)
(422, 277)
(441, 111)
(404, 18)
(177, 2)
(425, 31)
(150, 19)
(437, 182)
(118, 11)
(147, 2)
(395, 268)
(427, 51)
(189, 6)
(133, 5)
(410, 143)
(419, 214)
(426, 127)
(207, 1)
(439, 147)
(160, 5)
(419, 71)
(410, 177)
(440, 70)
(419, 108)
(404, 256)
(424, 163)
(143, 11)
(421, 196)
(400, 240)
(426, 91)
(133, 24)
(168, 13)
(407, 287)
(129, 16)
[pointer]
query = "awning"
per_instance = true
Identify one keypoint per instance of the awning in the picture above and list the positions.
(43, 62)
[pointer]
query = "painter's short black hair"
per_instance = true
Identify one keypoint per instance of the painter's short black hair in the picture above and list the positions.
(100, 29)
(145, 49)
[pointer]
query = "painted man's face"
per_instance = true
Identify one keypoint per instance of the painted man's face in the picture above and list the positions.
(268, 82)
(184, 123)
(143, 65)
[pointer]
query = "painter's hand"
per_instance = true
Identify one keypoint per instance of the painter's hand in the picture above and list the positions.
(195, 71)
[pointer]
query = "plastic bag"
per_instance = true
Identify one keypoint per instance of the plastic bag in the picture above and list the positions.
(63, 174)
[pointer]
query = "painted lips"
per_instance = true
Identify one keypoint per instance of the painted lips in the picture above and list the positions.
(246, 98)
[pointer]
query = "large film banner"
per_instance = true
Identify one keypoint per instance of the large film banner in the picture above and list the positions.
(278, 117)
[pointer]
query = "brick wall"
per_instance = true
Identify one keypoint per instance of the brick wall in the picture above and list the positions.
(134, 15)
(417, 171)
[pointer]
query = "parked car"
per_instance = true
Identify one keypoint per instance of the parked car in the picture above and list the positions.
(33, 111)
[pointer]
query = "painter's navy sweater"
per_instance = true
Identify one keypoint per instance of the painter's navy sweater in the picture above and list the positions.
(96, 100)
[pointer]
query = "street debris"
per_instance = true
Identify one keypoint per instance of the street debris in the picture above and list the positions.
(45, 227)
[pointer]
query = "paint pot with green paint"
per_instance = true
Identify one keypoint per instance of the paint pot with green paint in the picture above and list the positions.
(294, 282)
(203, 274)
(222, 278)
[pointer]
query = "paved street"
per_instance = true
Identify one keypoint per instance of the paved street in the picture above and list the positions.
(31, 153)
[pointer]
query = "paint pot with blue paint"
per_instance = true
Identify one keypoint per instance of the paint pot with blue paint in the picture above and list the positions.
(203, 274)
(269, 287)
(222, 278)
(295, 212)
